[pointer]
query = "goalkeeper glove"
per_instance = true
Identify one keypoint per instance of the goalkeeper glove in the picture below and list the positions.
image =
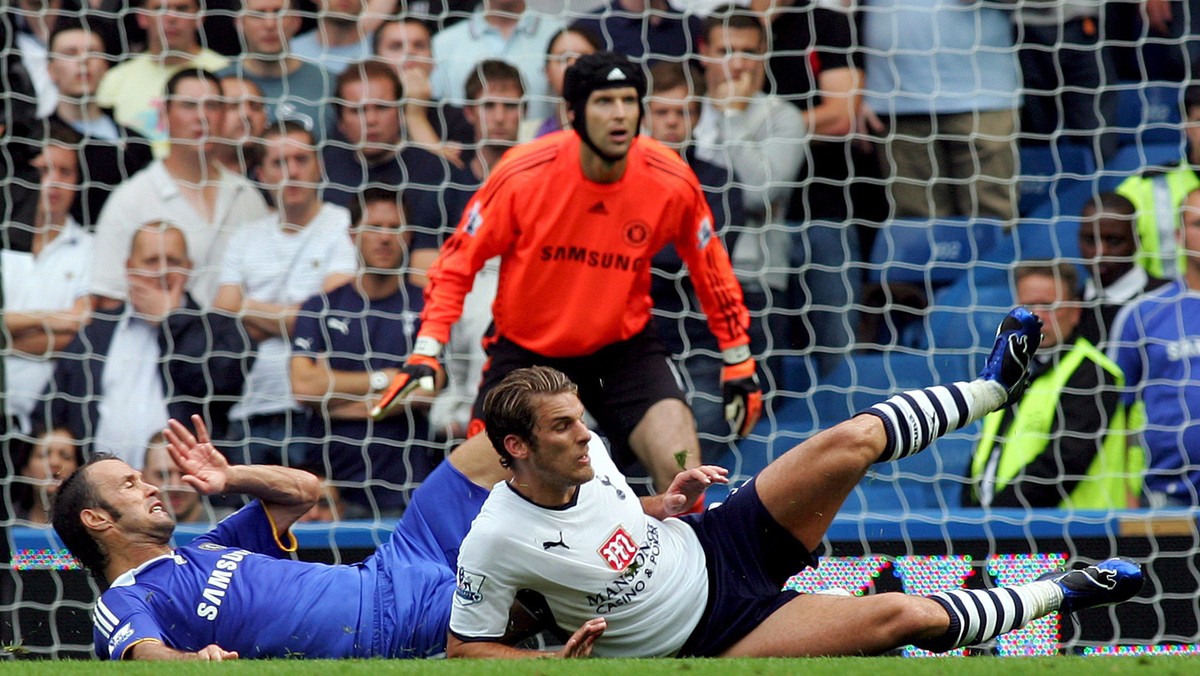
(421, 370)
(740, 390)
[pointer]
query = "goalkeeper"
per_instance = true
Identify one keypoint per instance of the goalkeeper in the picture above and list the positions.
(576, 218)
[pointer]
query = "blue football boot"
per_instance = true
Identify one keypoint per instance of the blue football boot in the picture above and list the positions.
(1104, 583)
(1017, 339)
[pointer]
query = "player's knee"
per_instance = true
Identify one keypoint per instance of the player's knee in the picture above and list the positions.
(904, 619)
(857, 439)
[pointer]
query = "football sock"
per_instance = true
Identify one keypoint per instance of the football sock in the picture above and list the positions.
(913, 419)
(979, 615)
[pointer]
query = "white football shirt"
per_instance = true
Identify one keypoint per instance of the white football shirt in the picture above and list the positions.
(599, 556)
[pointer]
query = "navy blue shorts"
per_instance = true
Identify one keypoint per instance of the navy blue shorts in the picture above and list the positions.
(749, 557)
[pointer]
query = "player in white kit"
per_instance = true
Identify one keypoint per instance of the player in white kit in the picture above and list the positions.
(631, 580)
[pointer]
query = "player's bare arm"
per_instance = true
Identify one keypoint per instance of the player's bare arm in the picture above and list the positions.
(579, 645)
(153, 650)
(286, 493)
(685, 489)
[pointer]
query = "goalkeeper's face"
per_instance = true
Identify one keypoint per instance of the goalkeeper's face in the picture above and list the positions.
(557, 457)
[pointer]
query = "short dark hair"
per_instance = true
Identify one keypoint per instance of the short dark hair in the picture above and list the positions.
(491, 71)
(364, 71)
(358, 203)
(1059, 270)
(392, 21)
(285, 127)
(191, 74)
(589, 36)
(731, 16)
(1110, 205)
(75, 495)
(666, 75)
(510, 407)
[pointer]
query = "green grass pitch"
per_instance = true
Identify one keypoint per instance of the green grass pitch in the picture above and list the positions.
(864, 666)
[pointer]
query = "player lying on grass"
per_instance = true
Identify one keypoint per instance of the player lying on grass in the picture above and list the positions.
(568, 526)
(235, 591)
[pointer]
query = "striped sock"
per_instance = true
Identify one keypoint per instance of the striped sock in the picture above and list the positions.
(979, 615)
(913, 419)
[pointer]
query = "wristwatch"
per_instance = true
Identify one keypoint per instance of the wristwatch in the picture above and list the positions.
(379, 381)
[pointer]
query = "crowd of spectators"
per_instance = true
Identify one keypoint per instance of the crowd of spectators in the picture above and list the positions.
(227, 209)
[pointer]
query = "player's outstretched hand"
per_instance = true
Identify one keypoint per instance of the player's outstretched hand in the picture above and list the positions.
(581, 642)
(214, 653)
(689, 485)
(203, 466)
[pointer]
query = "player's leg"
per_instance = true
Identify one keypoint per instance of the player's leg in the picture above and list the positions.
(666, 431)
(817, 624)
(804, 489)
(640, 404)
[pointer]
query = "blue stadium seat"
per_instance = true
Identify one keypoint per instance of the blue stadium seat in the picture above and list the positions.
(1150, 113)
(964, 315)
(1049, 239)
(929, 253)
(1047, 170)
(1133, 159)
(864, 379)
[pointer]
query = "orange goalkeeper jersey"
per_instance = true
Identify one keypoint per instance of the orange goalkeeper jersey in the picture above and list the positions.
(575, 254)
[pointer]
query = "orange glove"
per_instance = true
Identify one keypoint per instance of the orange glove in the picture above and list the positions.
(740, 390)
(421, 370)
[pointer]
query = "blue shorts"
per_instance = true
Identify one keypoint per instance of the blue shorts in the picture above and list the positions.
(415, 569)
(749, 559)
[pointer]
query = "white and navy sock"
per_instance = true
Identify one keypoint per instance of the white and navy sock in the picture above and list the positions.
(979, 615)
(913, 419)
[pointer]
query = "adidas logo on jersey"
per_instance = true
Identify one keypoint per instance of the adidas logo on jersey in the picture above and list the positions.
(598, 208)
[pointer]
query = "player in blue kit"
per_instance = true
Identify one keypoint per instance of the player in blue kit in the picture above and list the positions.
(235, 591)
(1155, 340)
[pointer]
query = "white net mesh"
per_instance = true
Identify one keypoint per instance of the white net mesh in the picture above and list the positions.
(875, 222)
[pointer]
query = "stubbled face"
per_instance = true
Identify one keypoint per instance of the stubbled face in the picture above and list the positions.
(58, 169)
(162, 472)
(54, 458)
(672, 116)
(496, 115)
(77, 63)
(159, 256)
(195, 114)
(381, 238)
(563, 53)
(1047, 297)
(558, 453)
(267, 26)
(612, 119)
(1108, 245)
(171, 24)
(137, 511)
(245, 113)
(370, 117)
(291, 169)
(406, 45)
(732, 53)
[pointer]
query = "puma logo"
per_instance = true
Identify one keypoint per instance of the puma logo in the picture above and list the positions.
(551, 544)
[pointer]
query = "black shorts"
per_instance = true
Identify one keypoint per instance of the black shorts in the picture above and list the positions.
(617, 384)
(749, 558)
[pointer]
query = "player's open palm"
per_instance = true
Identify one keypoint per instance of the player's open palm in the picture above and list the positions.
(203, 466)
(581, 642)
(689, 485)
